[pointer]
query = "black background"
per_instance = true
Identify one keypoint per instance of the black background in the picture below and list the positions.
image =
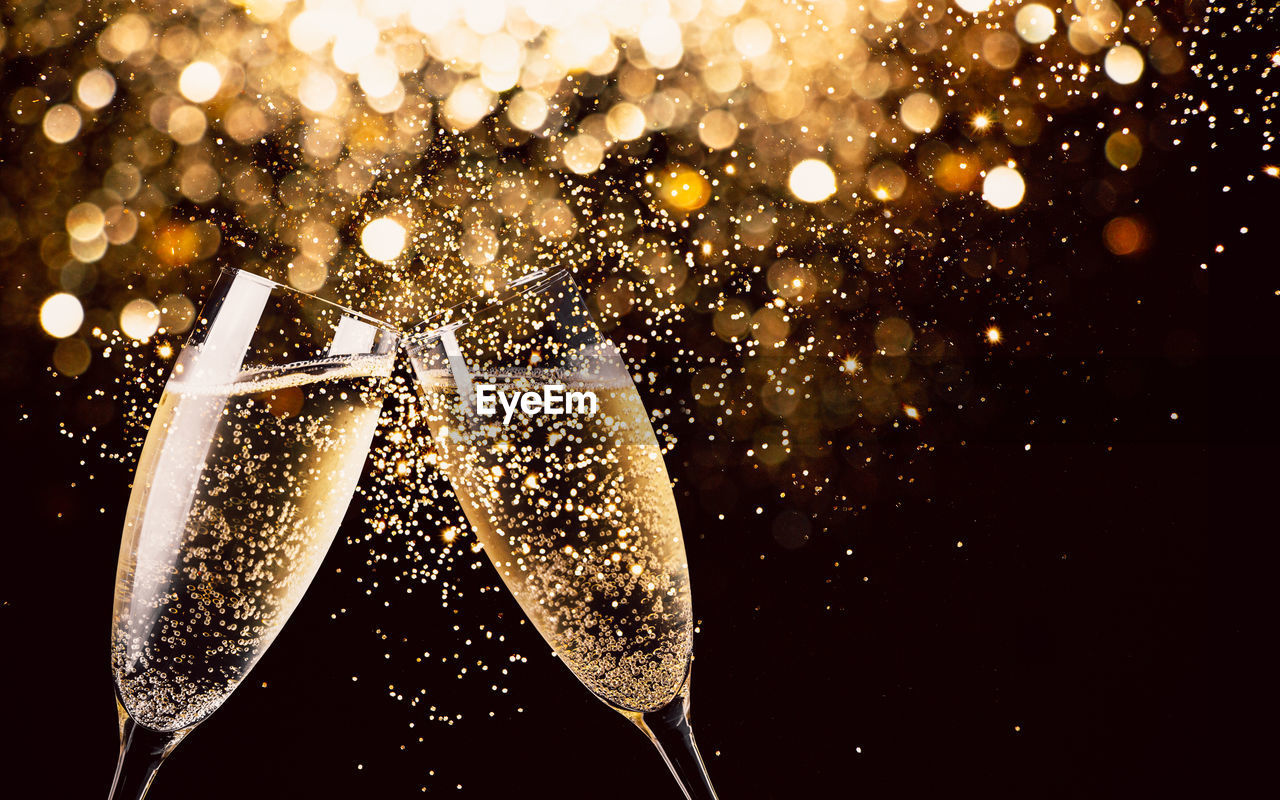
(1061, 652)
(1058, 653)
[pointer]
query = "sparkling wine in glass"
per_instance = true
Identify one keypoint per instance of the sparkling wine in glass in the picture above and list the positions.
(249, 464)
(543, 436)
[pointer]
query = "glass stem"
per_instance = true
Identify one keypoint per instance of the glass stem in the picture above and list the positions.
(668, 728)
(142, 751)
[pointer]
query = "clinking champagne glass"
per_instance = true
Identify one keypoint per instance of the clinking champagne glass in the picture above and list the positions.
(567, 490)
(249, 465)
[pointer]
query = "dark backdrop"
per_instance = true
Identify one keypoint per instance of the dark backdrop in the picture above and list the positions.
(1062, 651)
(1057, 653)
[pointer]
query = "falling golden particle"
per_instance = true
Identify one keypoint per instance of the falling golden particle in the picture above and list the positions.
(850, 365)
(1273, 171)
(981, 121)
(911, 411)
(993, 335)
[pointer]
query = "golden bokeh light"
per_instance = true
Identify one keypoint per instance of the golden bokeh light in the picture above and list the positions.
(812, 181)
(62, 123)
(61, 315)
(920, 112)
(96, 88)
(683, 188)
(200, 82)
(1003, 188)
(1124, 64)
(139, 319)
(1035, 23)
(383, 239)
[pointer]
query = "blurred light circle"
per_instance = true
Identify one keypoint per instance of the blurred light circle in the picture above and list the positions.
(752, 38)
(470, 102)
(1034, 23)
(186, 125)
(484, 16)
(660, 38)
(89, 251)
(974, 6)
(379, 77)
(306, 275)
(85, 221)
(1003, 187)
(389, 102)
(200, 82)
(61, 123)
(1123, 64)
(383, 239)
(311, 30)
(583, 153)
(812, 181)
(96, 88)
(1125, 236)
(139, 319)
(625, 122)
(683, 188)
(177, 313)
(357, 40)
(318, 91)
(497, 80)
(71, 357)
(61, 315)
(886, 181)
(920, 112)
(1123, 150)
(527, 111)
(718, 129)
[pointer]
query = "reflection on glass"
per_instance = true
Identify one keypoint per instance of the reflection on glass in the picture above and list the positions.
(249, 464)
(544, 438)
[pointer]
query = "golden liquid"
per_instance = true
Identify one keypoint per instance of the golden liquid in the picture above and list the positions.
(238, 494)
(576, 513)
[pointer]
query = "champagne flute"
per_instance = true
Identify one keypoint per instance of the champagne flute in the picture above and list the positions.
(568, 493)
(250, 461)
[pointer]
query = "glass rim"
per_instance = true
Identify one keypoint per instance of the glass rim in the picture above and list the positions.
(531, 283)
(379, 323)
